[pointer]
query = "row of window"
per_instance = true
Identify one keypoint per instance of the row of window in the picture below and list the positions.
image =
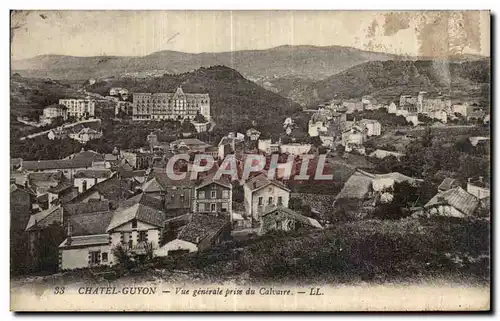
(212, 207)
(171, 101)
(213, 194)
(96, 257)
(270, 200)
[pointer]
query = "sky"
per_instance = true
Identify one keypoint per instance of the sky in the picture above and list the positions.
(138, 33)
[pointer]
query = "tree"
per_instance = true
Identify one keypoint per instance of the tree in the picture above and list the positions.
(199, 118)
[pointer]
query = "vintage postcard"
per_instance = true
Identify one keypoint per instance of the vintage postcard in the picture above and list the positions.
(250, 160)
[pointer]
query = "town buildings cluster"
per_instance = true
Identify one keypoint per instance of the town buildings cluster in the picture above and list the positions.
(128, 198)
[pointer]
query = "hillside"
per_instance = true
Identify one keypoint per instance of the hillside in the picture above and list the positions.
(234, 100)
(301, 61)
(29, 95)
(389, 79)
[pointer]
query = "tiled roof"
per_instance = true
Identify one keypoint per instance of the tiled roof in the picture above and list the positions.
(211, 179)
(90, 223)
(93, 173)
(90, 207)
(153, 185)
(61, 186)
(56, 164)
(87, 155)
(447, 184)
(201, 227)
(143, 199)
(190, 142)
(45, 176)
(135, 209)
(111, 189)
(301, 218)
(261, 181)
(86, 240)
(457, 198)
(45, 218)
(357, 186)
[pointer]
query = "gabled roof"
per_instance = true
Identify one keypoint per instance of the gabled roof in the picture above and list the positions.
(457, 198)
(153, 185)
(90, 223)
(261, 181)
(201, 227)
(87, 155)
(86, 240)
(56, 164)
(93, 173)
(90, 207)
(301, 218)
(143, 199)
(45, 218)
(61, 186)
(207, 180)
(112, 189)
(357, 186)
(139, 212)
(45, 177)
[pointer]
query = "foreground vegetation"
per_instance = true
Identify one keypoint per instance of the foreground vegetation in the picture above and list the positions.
(371, 250)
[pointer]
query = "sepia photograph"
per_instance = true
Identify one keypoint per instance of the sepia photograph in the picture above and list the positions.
(250, 160)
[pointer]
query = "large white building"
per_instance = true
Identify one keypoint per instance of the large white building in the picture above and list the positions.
(175, 106)
(79, 107)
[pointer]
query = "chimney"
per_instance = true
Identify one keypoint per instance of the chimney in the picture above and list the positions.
(481, 179)
(469, 180)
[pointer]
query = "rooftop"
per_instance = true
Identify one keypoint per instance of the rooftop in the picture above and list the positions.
(201, 227)
(456, 197)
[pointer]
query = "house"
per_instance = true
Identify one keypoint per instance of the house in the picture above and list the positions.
(79, 107)
(40, 182)
(392, 108)
(137, 222)
(260, 192)
(176, 195)
(87, 242)
(284, 219)
(113, 189)
(57, 215)
(455, 202)
(67, 166)
(354, 135)
(478, 187)
(192, 144)
(52, 112)
(213, 196)
(439, 115)
(62, 192)
(295, 148)
(381, 154)
(373, 127)
(85, 179)
(353, 105)
(136, 159)
(231, 144)
(267, 146)
(86, 134)
(200, 233)
(447, 183)
(363, 185)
